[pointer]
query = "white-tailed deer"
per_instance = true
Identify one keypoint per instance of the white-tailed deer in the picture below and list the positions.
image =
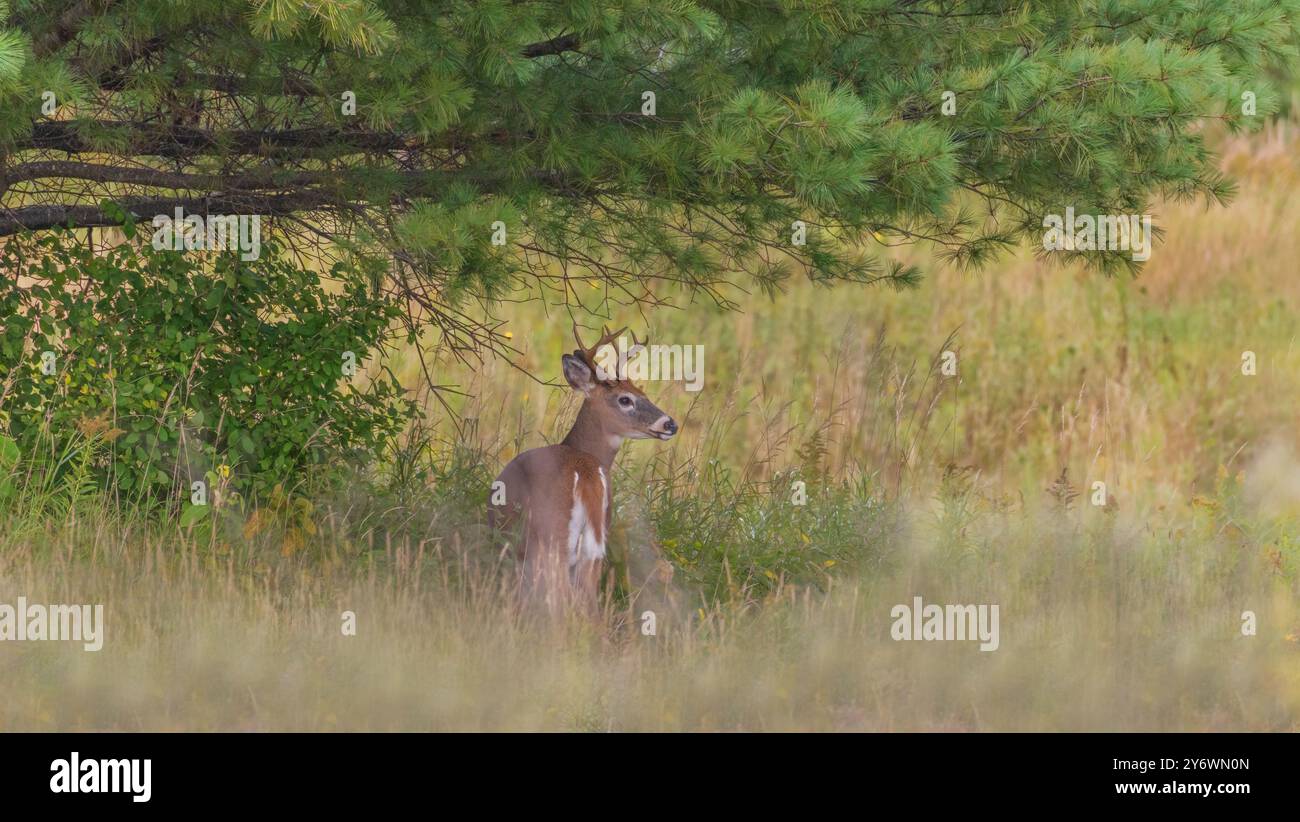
(557, 499)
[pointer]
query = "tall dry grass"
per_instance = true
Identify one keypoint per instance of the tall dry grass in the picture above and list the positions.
(1103, 626)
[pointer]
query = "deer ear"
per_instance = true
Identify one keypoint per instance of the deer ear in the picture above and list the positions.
(578, 374)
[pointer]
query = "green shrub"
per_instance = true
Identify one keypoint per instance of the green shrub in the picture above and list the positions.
(725, 534)
(190, 366)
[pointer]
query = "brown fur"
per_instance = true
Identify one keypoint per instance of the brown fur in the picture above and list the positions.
(540, 487)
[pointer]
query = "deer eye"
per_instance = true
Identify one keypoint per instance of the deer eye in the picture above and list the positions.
(625, 401)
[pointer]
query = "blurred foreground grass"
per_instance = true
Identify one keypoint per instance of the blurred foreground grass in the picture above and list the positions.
(1110, 624)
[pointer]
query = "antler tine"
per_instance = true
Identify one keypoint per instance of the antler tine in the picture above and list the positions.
(610, 337)
(606, 338)
(581, 345)
(642, 343)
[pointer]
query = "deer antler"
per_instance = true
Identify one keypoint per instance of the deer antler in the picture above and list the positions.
(607, 338)
(642, 344)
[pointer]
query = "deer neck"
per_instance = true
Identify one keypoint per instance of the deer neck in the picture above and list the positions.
(590, 436)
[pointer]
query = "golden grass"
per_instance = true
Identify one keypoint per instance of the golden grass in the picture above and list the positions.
(1102, 628)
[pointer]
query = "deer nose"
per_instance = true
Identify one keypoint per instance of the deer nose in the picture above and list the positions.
(663, 428)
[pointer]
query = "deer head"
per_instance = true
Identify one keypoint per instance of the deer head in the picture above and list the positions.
(619, 407)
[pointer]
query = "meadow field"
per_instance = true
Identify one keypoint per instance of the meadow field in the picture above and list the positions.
(971, 488)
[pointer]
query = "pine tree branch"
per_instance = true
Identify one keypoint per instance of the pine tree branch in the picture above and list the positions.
(267, 194)
(39, 217)
(403, 183)
(157, 178)
(556, 45)
(185, 141)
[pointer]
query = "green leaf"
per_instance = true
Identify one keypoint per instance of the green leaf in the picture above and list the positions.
(193, 514)
(9, 452)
